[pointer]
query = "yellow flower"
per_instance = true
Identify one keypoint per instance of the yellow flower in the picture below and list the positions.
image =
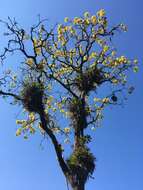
(105, 100)
(101, 13)
(85, 58)
(72, 31)
(35, 41)
(54, 109)
(66, 129)
(123, 59)
(87, 21)
(93, 55)
(38, 51)
(59, 105)
(94, 20)
(66, 19)
(105, 48)
(62, 110)
(29, 61)
(18, 132)
(32, 116)
(101, 30)
(60, 29)
(20, 122)
(77, 20)
(94, 36)
(27, 126)
(86, 14)
(113, 53)
(97, 99)
(114, 81)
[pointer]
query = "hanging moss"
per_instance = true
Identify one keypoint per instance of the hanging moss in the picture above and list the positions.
(78, 112)
(32, 95)
(89, 80)
(81, 163)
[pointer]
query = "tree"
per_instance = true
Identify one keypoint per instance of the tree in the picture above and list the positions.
(72, 70)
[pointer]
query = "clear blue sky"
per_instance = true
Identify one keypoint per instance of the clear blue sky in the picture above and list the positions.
(118, 144)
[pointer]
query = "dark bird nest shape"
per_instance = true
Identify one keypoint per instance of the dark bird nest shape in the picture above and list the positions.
(32, 96)
(114, 98)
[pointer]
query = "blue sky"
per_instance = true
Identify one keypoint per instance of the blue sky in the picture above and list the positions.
(118, 144)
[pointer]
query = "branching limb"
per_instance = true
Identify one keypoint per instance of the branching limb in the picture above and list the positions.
(57, 146)
(10, 94)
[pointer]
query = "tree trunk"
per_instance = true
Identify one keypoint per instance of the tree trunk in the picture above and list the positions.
(79, 187)
(75, 185)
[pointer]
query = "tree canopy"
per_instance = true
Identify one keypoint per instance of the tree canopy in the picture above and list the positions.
(67, 76)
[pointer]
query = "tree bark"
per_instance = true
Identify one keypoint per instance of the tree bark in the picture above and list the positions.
(57, 147)
(79, 187)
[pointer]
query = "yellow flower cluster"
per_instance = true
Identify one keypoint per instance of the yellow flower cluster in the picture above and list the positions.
(26, 125)
(118, 61)
(37, 45)
(61, 29)
(101, 13)
(92, 55)
(49, 102)
(115, 81)
(86, 20)
(63, 71)
(122, 59)
(60, 53)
